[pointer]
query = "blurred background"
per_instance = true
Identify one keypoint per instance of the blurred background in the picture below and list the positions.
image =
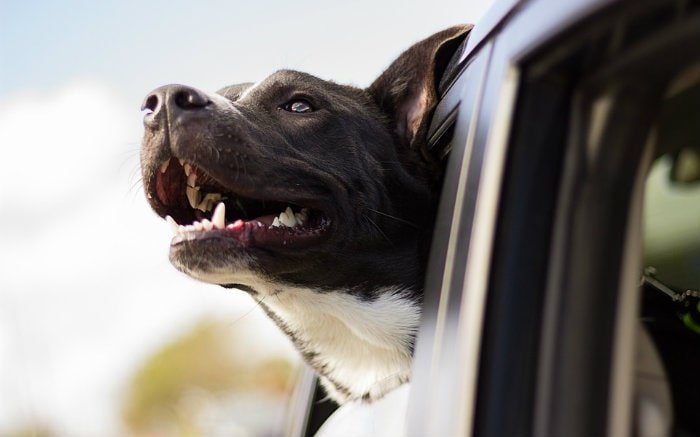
(99, 335)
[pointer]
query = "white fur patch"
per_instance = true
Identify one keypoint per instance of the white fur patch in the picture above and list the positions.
(363, 346)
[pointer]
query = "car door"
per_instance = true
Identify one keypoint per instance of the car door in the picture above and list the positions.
(543, 335)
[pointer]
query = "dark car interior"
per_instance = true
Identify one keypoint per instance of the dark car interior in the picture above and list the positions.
(671, 277)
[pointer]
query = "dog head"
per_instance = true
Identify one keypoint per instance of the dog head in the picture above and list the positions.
(297, 180)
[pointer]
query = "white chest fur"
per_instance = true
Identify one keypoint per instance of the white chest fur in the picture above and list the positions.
(362, 347)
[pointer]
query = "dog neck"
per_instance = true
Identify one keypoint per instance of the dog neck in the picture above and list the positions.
(361, 347)
(360, 342)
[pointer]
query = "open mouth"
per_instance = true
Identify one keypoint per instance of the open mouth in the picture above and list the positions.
(198, 208)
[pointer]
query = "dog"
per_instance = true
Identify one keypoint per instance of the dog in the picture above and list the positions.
(316, 198)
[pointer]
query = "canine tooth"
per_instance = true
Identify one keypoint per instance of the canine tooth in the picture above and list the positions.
(275, 222)
(164, 166)
(188, 168)
(207, 225)
(219, 216)
(191, 180)
(173, 224)
(193, 196)
(182, 161)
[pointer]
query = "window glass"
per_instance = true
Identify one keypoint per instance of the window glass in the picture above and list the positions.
(672, 225)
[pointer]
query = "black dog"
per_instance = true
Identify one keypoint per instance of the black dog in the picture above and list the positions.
(316, 198)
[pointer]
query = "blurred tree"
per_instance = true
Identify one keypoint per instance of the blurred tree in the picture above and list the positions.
(176, 386)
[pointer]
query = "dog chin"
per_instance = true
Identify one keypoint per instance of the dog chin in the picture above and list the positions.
(214, 262)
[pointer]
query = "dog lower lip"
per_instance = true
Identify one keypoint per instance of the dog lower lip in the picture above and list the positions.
(258, 233)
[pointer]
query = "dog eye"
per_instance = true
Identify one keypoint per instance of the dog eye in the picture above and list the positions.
(299, 106)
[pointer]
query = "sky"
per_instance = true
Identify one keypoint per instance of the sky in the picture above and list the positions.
(86, 291)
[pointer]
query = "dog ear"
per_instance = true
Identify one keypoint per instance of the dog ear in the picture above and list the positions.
(407, 90)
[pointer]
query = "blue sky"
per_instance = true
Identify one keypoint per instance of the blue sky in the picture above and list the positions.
(86, 291)
(135, 45)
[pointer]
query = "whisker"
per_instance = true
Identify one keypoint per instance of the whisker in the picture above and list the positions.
(134, 172)
(257, 305)
(395, 218)
(132, 189)
(378, 228)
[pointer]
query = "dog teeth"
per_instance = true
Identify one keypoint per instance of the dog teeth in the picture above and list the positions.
(218, 221)
(302, 216)
(188, 169)
(290, 219)
(219, 216)
(182, 161)
(287, 218)
(193, 196)
(208, 201)
(164, 166)
(173, 224)
(192, 180)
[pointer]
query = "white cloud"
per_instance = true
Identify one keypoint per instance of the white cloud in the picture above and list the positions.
(56, 145)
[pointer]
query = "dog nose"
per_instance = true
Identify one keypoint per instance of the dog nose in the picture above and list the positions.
(173, 100)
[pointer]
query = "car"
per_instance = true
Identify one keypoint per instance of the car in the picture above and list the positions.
(562, 287)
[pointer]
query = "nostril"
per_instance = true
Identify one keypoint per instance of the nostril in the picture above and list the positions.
(190, 99)
(150, 104)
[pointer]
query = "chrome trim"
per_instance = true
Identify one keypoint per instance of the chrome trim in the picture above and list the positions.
(431, 391)
(480, 250)
(456, 221)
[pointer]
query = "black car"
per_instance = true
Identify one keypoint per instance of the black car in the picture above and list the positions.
(562, 291)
